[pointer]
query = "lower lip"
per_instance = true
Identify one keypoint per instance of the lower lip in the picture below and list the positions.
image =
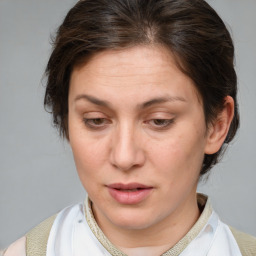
(130, 197)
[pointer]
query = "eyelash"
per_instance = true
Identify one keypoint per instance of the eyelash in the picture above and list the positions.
(160, 124)
(90, 123)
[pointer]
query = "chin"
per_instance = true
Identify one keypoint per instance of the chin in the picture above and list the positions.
(133, 221)
(132, 225)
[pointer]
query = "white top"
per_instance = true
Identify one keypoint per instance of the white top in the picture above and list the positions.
(75, 233)
(70, 231)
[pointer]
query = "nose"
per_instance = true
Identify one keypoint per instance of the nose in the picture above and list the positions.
(126, 152)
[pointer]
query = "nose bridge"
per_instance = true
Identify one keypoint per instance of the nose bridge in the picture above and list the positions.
(126, 150)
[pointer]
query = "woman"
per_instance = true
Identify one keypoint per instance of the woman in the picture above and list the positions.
(145, 93)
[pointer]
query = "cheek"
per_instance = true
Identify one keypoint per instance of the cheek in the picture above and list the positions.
(88, 152)
(87, 156)
(178, 156)
(88, 163)
(168, 152)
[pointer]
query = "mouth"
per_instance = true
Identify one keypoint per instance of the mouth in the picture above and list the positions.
(130, 190)
(132, 193)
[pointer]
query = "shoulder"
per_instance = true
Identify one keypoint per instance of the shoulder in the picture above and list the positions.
(246, 242)
(36, 239)
(34, 242)
(18, 248)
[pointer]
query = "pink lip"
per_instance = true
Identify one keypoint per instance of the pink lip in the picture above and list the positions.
(132, 193)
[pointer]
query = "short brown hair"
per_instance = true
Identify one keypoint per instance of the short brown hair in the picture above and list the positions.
(190, 29)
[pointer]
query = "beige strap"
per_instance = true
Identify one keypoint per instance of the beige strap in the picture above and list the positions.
(246, 243)
(37, 238)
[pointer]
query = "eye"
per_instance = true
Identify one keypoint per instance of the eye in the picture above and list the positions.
(95, 123)
(160, 123)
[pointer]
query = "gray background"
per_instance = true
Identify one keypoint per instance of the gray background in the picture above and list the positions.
(37, 174)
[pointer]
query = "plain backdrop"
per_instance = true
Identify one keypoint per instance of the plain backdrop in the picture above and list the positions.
(37, 173)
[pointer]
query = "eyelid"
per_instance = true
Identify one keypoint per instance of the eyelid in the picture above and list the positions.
(90, 118)
(166, 123)
(167, 118)
(94, 115)
(160, 115)
(90, 123)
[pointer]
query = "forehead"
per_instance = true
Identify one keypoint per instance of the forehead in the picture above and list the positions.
(140, 69)
(124, 61)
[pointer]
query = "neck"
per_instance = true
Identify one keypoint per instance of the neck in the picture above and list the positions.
(157, 238)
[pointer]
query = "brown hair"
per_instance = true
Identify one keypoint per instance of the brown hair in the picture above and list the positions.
(190, 29)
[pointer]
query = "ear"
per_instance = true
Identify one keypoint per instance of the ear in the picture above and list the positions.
(218, 129)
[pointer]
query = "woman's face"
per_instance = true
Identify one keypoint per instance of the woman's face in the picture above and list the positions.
(138, 135)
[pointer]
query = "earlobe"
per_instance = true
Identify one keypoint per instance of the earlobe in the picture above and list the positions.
(218, 129)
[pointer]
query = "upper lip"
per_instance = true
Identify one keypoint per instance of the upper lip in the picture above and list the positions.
(128, 186)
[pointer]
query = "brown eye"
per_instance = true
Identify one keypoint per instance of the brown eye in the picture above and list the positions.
(160, 123)
(95, 123)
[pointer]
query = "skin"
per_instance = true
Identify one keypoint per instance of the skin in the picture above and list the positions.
(120, 133)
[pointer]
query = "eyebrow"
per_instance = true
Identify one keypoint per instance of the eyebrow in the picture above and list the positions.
(143, 105)
(93, 100)
(160, 100)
